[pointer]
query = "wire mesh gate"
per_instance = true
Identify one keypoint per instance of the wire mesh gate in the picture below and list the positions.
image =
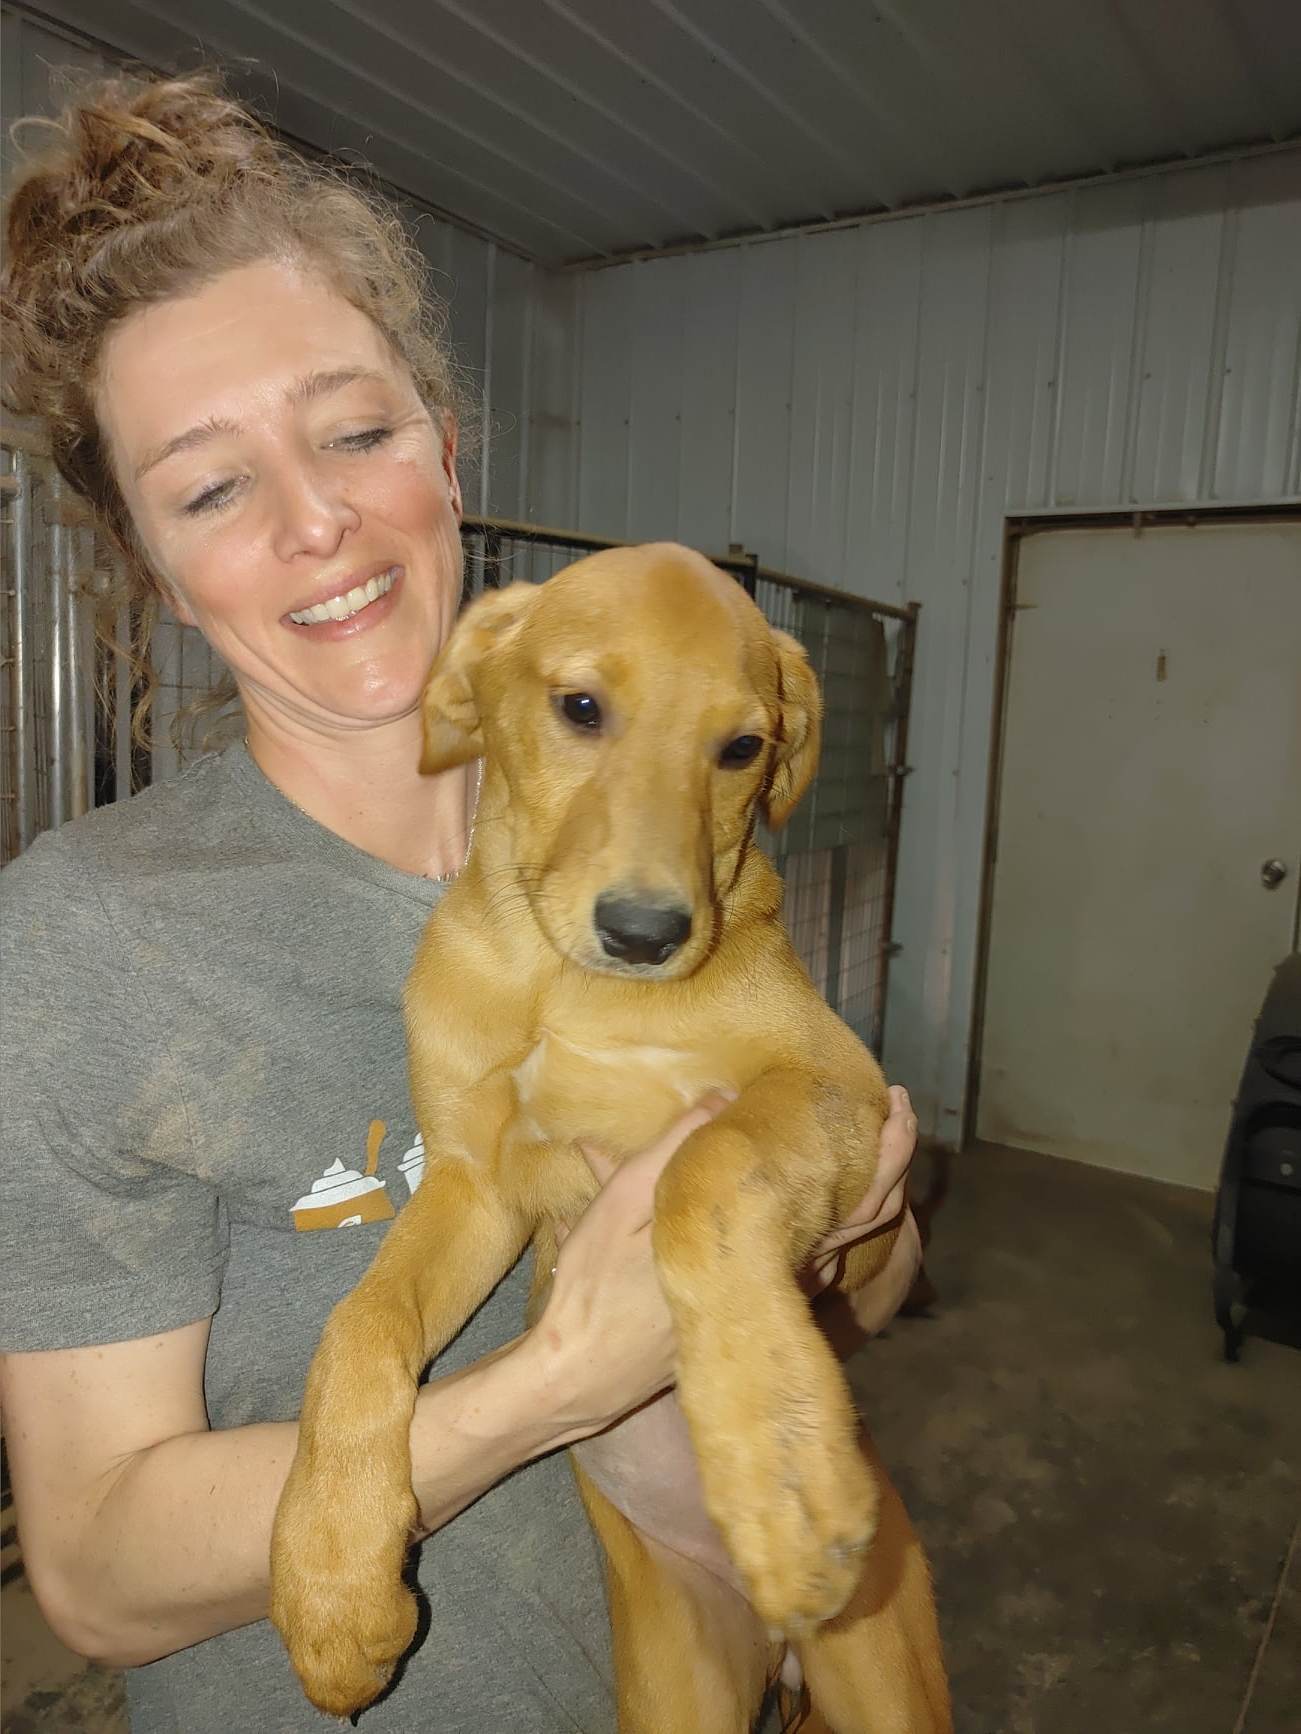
(65, 711)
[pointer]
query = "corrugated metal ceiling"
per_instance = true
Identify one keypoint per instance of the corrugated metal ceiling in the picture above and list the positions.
(580, 130)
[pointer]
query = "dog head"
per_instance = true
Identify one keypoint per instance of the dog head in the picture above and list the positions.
(639, 711)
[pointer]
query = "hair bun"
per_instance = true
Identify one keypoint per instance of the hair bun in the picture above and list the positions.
(132, 164)
(129, 151)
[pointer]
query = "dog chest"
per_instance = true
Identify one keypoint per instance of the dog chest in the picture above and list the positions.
(620, 1095)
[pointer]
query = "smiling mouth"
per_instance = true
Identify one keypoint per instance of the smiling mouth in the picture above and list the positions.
(350, 602)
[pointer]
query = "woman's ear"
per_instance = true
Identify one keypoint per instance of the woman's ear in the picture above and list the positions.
(451, 435)
(801, 731)
(453, 735)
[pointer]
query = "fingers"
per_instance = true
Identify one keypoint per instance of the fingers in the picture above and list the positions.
(886, 1196)
(861, 1224)
(655, 1156)
(897, 1148)
(602, 1166)
(639, 1174)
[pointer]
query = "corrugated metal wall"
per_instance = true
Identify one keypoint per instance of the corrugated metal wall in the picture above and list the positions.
(864, 407)
(512, 330)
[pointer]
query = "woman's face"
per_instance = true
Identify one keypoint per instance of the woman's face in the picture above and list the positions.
(292, 490)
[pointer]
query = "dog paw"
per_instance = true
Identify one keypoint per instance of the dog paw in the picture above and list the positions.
(344, 1661)
(788, 1488)
(337, 1598)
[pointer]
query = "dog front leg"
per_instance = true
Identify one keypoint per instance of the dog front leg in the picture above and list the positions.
(347, 1513)
(738, 1211)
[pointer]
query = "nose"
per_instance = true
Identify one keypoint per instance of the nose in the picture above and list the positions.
(637, 932)
(312, 517)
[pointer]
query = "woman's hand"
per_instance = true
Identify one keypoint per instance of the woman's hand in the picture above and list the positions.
(883, 1201)
(605, 1335)
(877, 1302)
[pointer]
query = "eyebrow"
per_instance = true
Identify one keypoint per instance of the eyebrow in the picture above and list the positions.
(305, 390)
(194, 436)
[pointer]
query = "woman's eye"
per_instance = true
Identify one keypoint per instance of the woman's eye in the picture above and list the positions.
(366, 440)
(742, 751)
(210, 499)
(581, 709)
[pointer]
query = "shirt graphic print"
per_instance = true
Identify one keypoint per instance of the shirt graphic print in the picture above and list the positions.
(344, 1197)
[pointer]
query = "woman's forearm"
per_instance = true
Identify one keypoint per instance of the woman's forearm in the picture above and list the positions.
(179, 1547)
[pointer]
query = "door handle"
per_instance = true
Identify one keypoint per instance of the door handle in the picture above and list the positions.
(1273, 873)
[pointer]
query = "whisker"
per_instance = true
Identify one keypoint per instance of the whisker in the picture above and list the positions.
(514, 886)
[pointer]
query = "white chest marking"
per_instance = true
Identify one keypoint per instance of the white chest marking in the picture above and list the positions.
(678, 1069)
(527, 1074)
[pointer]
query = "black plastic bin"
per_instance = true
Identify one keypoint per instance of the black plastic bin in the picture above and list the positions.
(1256, 1237)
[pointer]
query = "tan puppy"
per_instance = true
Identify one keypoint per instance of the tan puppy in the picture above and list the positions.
(612, 951)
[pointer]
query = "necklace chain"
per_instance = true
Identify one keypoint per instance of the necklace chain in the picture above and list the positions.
(441, 878)
(449, 878)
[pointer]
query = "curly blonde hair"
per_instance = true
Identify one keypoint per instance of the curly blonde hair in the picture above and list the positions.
(148, 189)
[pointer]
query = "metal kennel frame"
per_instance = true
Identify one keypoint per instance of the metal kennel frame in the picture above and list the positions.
(46, 647)
(65, 740)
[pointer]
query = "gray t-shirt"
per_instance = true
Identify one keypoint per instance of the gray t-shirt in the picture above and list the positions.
(206, 1113)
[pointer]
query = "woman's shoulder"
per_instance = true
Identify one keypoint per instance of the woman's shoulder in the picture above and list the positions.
(164, 829)
(73, 904)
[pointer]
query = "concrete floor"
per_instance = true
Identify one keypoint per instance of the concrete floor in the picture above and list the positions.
(1108, 1506)
(44, 1688)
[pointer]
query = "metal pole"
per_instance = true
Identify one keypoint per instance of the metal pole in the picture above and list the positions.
(78, 710)
(58, 546)
(838, 896)
(141, 753)
(21, 580)
(899, 769)
(485, 420)
(491, 559)
(745, 566)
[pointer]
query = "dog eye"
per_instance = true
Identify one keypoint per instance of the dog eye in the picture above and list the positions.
(581, 709)
(742, 751)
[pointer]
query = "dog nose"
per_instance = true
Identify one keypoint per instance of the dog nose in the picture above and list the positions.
(640, 932)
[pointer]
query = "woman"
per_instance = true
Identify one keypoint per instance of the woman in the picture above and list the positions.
(232, 356)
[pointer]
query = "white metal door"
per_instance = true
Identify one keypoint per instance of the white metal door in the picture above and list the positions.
(1151, 767)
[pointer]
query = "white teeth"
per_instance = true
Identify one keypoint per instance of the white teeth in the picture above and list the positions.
(351, 602)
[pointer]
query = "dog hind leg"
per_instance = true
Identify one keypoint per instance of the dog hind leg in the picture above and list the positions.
(877, 1668)
(690, 1655)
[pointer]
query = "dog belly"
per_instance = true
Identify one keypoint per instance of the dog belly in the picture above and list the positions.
(645, 1466)
(620, 1097)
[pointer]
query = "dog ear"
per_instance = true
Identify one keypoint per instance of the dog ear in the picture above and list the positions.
(801, 731)
(451, 711)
